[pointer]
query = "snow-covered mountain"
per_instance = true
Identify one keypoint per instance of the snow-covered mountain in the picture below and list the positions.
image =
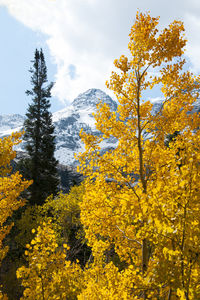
(68, 123)
(10, 123)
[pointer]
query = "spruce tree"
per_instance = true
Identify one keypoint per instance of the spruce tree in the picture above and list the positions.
(39, 135)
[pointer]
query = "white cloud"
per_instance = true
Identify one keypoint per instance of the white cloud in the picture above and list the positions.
(89, 34)
(156, 99)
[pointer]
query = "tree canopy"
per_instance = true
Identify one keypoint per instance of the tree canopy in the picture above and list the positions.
(142, 199)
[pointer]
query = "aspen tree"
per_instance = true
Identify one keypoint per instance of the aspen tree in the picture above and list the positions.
(142, 199)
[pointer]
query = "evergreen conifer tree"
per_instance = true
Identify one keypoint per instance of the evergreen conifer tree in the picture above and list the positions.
(39, 135)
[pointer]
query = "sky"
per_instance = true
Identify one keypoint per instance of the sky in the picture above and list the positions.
(80, 40)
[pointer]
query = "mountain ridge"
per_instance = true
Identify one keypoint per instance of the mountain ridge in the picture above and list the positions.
(69, 121)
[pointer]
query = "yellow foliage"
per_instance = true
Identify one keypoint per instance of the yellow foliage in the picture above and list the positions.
(48, 252)
(64, 211)
(30, 218)
(49, 275)
(11, 186)
(142, 199)
(3, 296)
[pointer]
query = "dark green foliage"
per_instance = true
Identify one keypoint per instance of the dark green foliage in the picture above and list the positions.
(39, 135)
(171, 137)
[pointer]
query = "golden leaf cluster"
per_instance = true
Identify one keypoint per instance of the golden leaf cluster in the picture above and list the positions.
(49, 275)
(11, 186)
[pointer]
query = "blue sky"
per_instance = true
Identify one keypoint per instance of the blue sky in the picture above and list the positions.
(80, 40)
(18, 44)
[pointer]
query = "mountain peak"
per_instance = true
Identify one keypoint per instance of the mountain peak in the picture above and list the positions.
(91, 98)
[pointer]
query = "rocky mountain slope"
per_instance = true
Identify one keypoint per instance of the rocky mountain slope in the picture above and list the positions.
(10, 123)
(69, 121)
